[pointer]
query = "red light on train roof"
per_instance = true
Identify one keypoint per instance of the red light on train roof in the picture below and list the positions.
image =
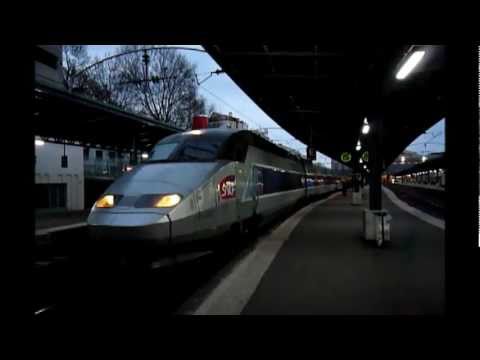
(199, 122)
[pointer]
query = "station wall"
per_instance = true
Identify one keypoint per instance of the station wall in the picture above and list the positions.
(48, 170)
(48, 65)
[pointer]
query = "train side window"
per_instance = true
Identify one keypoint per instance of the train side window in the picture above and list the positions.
(269, 182)
(278, 181)
(258, 181)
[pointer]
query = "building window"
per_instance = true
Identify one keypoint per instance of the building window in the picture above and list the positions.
(86, 153)
(111, 155)
(99, 154)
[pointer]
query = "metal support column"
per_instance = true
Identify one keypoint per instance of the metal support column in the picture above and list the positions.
(355, 174)
(376, 162)
(376, 221)
(356, 185)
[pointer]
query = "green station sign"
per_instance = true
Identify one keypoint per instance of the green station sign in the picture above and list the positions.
(346, 157)
(365, 156)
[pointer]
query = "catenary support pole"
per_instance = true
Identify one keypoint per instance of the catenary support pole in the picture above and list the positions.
(375, 161)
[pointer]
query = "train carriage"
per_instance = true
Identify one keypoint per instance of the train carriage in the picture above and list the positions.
(199, 184)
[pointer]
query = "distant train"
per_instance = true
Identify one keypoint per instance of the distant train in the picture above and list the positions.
(202, 183)
(427, 178)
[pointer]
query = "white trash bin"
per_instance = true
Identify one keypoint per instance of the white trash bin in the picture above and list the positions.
(383, 220)
(377, 226)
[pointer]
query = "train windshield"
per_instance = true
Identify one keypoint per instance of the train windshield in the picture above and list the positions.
(197, 150)
(186, 149)
(163, 151)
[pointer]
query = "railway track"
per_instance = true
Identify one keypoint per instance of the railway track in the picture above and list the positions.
(430, 201)
(67, 283)
(67, 289)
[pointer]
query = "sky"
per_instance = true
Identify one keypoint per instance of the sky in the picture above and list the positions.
(434, 139)
(227, 97)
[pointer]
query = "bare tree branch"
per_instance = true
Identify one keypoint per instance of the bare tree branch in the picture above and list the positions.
(168, 95)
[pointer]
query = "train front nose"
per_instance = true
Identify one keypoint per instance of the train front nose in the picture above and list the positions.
(134, 211)
(129, 230)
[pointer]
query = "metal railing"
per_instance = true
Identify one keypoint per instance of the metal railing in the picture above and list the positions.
(104, 169)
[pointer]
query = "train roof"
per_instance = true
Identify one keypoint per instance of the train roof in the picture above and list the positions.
(243, 136)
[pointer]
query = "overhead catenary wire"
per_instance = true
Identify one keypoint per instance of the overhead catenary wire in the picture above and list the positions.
(259, 126)
(199, 84)
(230, 106)
(432, 133)
(88, 67)
(145, 49)
(433, 136)
(300, 147)
(423, 143)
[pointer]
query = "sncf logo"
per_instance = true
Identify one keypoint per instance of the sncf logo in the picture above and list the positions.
(226, 187)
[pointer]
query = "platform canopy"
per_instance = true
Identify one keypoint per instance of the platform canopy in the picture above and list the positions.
(59, 116)
(321, 94)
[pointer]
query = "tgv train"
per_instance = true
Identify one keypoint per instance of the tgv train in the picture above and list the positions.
(202, 183)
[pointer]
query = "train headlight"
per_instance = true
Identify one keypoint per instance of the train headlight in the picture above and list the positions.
(158, 201)
(106, 201)
(168, 201)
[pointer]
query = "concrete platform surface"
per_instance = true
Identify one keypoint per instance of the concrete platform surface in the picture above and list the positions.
(45, 220)
(326, 268)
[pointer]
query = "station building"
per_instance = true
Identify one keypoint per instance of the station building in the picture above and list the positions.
(48, 65)
(59, 185)
(59, 172)
(217, 120)
(68, 177)
(71, 169)
(74, 185)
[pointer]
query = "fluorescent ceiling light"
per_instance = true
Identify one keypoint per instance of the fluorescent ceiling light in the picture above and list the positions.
(366, 127)
(359, 146)
(410, 64)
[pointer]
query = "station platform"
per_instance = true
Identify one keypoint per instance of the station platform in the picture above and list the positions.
(47, 222)
(324, 267)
